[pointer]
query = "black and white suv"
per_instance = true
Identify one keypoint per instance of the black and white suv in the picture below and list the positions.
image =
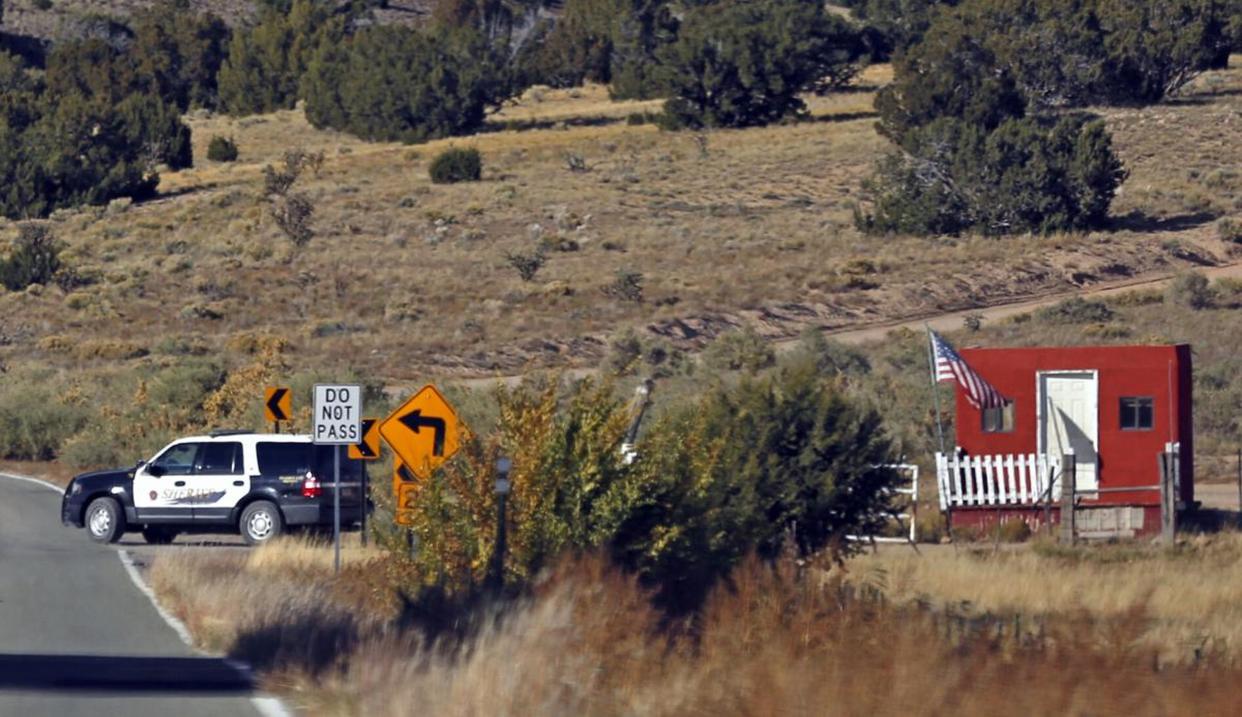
(230, 480)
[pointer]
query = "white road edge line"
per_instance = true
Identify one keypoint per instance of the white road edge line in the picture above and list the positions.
(178, 627)
(265, 705)
(37, 481)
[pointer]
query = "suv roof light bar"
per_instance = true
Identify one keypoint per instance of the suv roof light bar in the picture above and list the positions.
(217, 433)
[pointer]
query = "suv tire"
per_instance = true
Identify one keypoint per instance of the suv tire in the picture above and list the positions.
(159, 536)
(105, 522)
(260, 522)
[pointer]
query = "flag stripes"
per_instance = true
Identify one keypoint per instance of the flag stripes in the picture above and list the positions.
(950, 366)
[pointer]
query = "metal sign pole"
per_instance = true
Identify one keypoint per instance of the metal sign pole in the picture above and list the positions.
(336, 504)
(365, 503)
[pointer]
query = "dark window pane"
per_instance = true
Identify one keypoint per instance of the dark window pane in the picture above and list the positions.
(220, 458)
(1137, 413)
(350, 469)
(298, 459)
(284, 459)
(998, 420)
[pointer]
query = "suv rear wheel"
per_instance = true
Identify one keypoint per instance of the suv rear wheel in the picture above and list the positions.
(104, 520)
(260, 522)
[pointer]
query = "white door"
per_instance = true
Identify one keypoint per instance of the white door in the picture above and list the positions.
(219, 481)
(1069, 421)
(161, 487)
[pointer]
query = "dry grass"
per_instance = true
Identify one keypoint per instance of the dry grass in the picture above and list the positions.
(586, 641)
(1191, 596)
(409, 279)
(310, 554)
(283, 587)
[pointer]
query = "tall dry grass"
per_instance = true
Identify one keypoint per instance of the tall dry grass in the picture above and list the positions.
(585, 641)
(1190, 596)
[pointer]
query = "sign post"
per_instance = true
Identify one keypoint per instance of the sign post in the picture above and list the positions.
(368, 449)
(337, 422)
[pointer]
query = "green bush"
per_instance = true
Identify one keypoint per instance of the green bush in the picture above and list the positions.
(893, 26)
(785, 462)
(1090, 51)
(65, 150)
(740, 350)
(1155, 47)
(630, 353)
(266, 62)
(169, 52)
(614, 42)
(1229, 230)
(745, 64)
(1191, 290)
(34, 423)
(955, 76)
(832, 357)
(222, 149)
(34, 258)
(570, 486)
(1076, 311)
(578, 47)
(398, 84)
(456, 165)
(1027, 175)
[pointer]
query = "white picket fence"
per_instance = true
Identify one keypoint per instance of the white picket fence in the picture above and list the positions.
(908, 515)
(997, 479)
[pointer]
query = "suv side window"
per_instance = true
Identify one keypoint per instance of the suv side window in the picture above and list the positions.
(283, 459)
(219, 459)
(178, 460)
(325, 455)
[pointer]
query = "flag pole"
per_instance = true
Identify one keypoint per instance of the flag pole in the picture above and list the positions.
(935, 389)
(931, 365)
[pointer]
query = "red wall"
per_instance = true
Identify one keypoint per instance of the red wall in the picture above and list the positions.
(1127, 458)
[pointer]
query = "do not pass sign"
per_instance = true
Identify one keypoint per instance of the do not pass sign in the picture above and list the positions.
(338, 414)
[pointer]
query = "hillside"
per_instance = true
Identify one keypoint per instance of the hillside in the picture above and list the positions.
(405, 279)
(68, 18)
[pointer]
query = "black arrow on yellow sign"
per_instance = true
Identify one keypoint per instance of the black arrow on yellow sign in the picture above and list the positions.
(416, 421)
(277, 404)
(368, 448)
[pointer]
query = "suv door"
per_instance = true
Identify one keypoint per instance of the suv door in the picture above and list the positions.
(218, 482)
(161, 487)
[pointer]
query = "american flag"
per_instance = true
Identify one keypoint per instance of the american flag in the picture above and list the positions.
(952, 367)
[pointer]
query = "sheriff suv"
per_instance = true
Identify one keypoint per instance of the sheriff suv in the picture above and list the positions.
(229, 480)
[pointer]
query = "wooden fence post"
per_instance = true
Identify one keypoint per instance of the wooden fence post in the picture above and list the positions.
(1069, 484)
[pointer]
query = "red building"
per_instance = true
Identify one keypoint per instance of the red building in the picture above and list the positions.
(1116, 408)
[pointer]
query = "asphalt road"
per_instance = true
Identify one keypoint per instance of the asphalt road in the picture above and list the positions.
(77, 637)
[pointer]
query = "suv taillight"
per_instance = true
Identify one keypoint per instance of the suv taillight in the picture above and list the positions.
(311, 487)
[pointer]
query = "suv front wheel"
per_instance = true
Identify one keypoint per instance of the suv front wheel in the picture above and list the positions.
(260, 522)
(104, 520)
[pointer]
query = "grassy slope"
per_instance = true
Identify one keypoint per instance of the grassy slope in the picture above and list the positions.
(407, 280)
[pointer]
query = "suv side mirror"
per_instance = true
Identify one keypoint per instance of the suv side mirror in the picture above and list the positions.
(155, 471)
